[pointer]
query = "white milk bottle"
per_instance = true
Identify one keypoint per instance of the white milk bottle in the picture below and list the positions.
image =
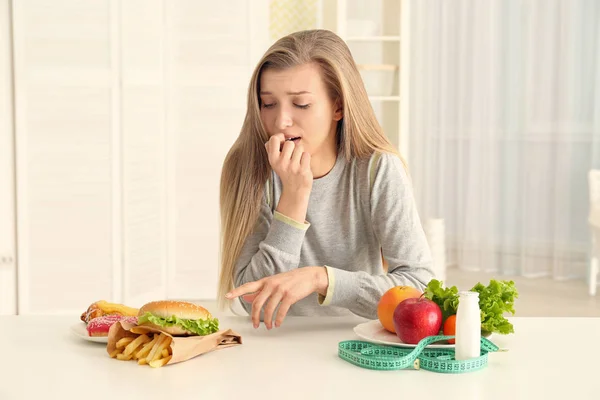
(468, 326)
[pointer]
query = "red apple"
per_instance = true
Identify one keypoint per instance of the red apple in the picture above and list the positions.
(417, 318)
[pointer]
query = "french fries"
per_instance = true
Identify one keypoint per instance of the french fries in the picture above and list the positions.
(124, 342)
(151, 349)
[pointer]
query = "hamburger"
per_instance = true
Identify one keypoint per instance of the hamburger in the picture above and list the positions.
(178, 318)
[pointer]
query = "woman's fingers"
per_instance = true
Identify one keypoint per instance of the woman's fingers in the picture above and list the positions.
(246, 288)
(276, 294)
(282, 312)
(257, 305)
(287, 151)
(273, 146)
(297, 155)
(271, 306)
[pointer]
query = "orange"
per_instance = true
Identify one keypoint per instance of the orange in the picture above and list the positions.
(450, 327)
(390, 300)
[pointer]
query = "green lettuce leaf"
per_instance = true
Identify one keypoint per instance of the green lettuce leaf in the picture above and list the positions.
(446, 298)
(198, 326)
(495, 300)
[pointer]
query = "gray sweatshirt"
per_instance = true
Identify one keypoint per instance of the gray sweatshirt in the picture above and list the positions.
(356, 212)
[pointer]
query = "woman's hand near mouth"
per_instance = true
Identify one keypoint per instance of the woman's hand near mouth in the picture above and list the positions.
(292, 165)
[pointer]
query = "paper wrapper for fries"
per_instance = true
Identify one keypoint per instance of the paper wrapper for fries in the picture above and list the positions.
(183, 348)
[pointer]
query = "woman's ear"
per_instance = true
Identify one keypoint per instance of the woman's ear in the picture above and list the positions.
(338, 112)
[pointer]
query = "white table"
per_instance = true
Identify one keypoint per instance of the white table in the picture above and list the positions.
(548, 358)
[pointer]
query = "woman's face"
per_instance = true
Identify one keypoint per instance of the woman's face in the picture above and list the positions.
(296, 102)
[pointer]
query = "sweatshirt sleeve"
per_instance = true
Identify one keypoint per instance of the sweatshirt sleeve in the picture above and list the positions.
(398, 228)
(273, 246)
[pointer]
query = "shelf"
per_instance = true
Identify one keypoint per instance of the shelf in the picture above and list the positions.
(373, 39)
(384, 98)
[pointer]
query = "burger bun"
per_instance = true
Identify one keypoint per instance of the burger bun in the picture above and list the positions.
(169, 308)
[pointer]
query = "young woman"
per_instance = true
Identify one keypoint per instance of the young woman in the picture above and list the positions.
(313, 194)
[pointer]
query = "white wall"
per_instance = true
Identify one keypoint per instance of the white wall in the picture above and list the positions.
(124, 114)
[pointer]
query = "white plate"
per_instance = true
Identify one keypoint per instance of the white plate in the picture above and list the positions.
(80, 331)
(374, 332)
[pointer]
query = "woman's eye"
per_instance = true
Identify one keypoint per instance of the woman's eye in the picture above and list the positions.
(303, 106)
(268, 105)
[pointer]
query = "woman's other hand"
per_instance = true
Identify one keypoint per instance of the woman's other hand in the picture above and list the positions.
(289, 160)
(292, 164)
(281, 290)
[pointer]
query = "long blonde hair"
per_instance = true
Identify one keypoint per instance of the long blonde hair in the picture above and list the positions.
(246, 167)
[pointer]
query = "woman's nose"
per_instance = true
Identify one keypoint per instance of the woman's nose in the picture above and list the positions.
(283, 119)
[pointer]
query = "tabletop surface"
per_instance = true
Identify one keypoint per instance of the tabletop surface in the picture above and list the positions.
(550, 358)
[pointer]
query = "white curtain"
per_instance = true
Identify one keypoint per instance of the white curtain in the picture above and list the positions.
(504, 126)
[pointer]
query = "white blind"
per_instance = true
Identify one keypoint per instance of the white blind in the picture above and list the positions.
(8, 303)
(209, 70)
(65, 153)
(144, 141)
(124, 113)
